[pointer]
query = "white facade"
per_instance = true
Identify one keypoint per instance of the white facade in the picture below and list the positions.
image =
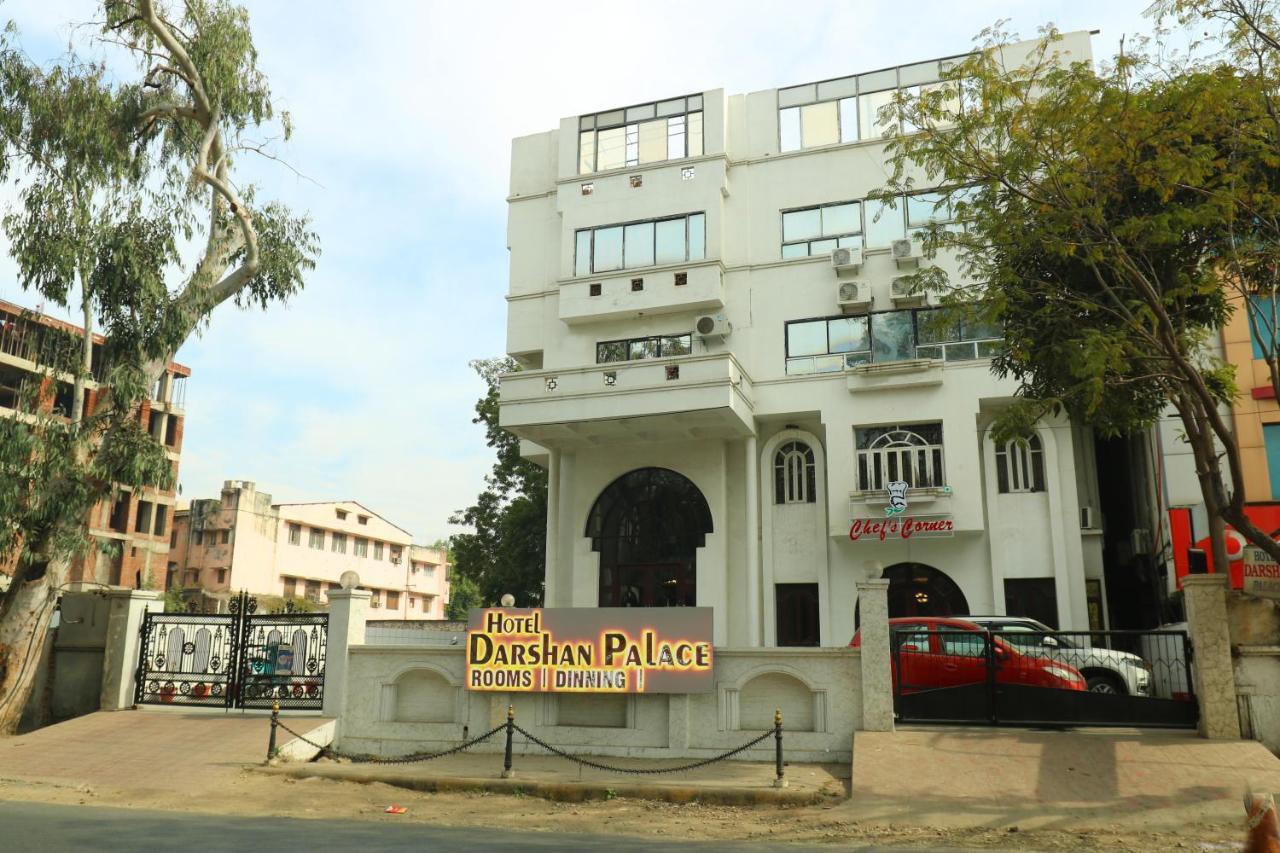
(727, 412)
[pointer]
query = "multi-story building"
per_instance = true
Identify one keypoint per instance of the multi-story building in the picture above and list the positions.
(138, 521)
(724, 377)
(243, 541)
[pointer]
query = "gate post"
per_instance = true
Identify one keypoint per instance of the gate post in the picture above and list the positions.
(877, 674)
(348, 609)
(120, 654)
(1205, 597)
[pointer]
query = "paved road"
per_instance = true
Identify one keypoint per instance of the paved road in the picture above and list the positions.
(55, 829)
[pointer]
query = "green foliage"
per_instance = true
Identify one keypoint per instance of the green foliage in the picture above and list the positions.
(507, 551)
(173, 601)
(464, 596)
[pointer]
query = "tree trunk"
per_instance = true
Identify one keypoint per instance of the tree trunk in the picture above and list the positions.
(23, 625)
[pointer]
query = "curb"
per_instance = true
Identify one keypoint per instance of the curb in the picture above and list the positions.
(567, 792)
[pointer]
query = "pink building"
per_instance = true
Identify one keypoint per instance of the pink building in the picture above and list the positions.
(245, 542)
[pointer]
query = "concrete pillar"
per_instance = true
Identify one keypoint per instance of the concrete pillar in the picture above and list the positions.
(120, 653)
(348, 609)
(877, 676)
(551, 576)
(751, 480)
(1206, 603)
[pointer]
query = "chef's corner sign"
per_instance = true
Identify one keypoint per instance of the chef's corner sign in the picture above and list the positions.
(897, 523)
(590, 650)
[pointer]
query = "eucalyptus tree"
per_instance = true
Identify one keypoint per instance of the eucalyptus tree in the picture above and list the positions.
(1101, 207)
(131, 213)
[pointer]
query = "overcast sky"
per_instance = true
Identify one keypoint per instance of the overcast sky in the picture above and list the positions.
(404, 111)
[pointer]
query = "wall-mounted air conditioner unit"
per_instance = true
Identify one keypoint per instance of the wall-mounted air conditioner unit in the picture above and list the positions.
(395, 560)
(906, 253)
(713, 326)
(1086, 518)
(375, 603)
(846, 259)
(903, 292)
(854, 296)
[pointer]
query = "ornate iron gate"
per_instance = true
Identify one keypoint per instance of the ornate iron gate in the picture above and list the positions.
(233, 660)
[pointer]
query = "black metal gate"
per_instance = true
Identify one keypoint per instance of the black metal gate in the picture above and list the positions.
(1043, 678)
(233, 660)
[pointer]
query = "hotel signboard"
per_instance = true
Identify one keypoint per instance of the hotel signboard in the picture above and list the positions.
(1261, 573)
(590, 650)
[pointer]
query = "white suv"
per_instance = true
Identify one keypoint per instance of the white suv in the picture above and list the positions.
(1106, 670)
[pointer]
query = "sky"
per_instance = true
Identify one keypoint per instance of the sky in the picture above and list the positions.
(359, 388)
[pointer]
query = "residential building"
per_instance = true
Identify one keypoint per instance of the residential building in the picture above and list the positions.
(138, 521)
(243, 541)
(725, 380)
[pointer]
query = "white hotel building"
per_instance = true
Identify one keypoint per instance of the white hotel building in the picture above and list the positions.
(717, 402)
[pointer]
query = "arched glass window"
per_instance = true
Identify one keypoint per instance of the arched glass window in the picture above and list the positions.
(1020, 466)
(910, 453)
(795, 477)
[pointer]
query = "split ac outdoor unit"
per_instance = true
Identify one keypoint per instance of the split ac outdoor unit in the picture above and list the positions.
(713, 326)
(846, 258)
(1086, 518)
(906, 253)
(903, 292)
(854, 296)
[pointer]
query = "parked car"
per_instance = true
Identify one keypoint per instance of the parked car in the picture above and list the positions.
(1107, 670)
(934, 652)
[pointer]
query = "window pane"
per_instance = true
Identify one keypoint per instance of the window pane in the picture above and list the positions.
(611, 351)
(653, 141)
(670, 108)
(817, 247)
(608, 250)
(808, 338)
(695, 103)
(849, 120)
(854, 242)
(586, 152)
(841, 219)
(892, 336)
(640, 113)
(633, 145)
(675, 345)
(697, 237)
(870, 123)
(795, 250)
(582, 256)
(884, 224)
(638, 245)
(828, 364)
(695, 134)
(848, 334)
(819, 124)
(611, 149)
(610, 118)
(940, 325)
(801, 224)
(675, 138)
(670, 239)
(789, 129)
(799, 366)
(644, 348)
(923, 208)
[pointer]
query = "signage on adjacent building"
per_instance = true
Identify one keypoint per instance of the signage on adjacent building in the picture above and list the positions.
(1261, 573)
(938, 526)
(590, 650)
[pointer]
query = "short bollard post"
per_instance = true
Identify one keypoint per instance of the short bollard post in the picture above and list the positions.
(780, 781)
(275, 721)
(511, 725)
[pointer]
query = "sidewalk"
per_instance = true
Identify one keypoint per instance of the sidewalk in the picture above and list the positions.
(555, 778)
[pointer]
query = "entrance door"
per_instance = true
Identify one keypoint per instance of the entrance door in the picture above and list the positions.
(797, 605)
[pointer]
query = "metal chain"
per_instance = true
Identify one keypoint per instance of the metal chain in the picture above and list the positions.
(401, 759)
(643, 770)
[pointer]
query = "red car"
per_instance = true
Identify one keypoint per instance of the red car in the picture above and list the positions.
(934, 652)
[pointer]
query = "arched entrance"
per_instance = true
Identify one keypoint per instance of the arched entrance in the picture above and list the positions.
(919, 590)
(647, 526)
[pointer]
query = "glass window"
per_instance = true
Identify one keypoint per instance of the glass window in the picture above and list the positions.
(884, 224)
(819, 247)
(808, 338)
(669, 234)
(638, 245)
(608, 249)
(795, 250)
(794, 474)
(295, 534)
(611, 149)
(316, 539)
(841, 219)
(801, 224)
(849, 120)
(675, 345)
(874, 114)
(893, 336)
(819, 124)
(608, 351)
(582, 254)
(695, 135)
(697, 237)
(675, 137)
(969, 644)
(789, 129)
(377, 550)
(923, 208)
(586, 151)
(848, 334)
(653, 141)
(340, 543)
(643, 348)
(648, 133)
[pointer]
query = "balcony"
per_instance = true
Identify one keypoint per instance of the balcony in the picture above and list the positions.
(684, 397)
(685, 287)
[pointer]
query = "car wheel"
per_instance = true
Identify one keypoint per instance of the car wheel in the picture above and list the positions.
(1105, 684)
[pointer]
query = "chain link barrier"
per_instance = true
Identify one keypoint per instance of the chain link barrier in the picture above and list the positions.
(643, 771)
(330, 752)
